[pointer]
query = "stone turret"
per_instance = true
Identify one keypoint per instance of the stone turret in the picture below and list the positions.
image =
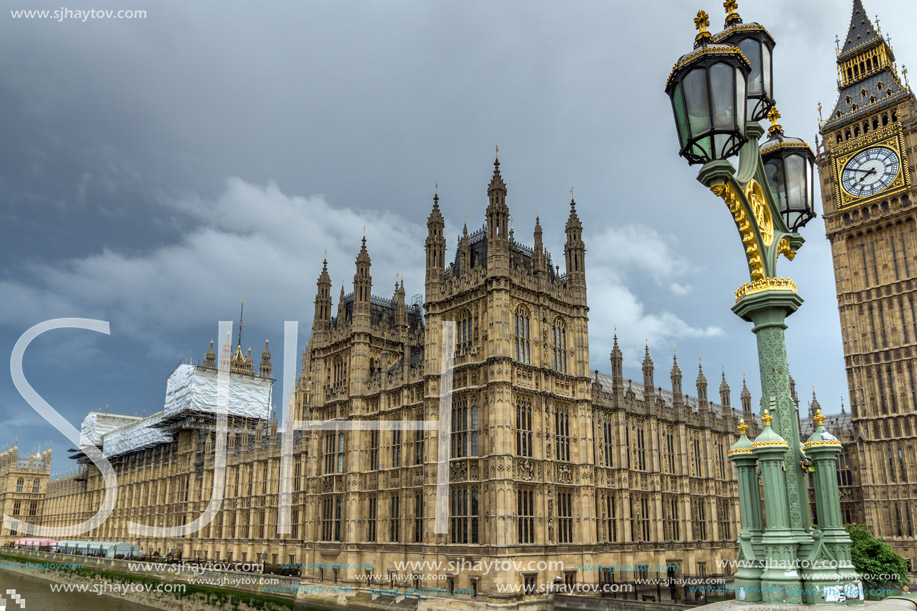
(725, 401)
(265, 369)
(575, 251)
(701, 384)
(322, 319)
(435, 247)
(649, 385)
(678, 398)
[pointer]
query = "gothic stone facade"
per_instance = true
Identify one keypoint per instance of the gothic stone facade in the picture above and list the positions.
(865, 164)
(548, 459)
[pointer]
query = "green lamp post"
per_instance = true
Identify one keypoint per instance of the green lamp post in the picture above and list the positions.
(719, 91)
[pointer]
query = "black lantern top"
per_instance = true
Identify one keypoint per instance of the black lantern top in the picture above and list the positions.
(757, 45)
(789, 166)
(708, 92)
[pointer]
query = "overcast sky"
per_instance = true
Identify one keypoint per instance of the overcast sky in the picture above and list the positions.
(155, 172)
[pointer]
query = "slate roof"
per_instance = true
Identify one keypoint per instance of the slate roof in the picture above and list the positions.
(861, 33)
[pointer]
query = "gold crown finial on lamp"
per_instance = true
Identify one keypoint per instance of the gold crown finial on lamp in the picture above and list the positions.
(731, 15)
(743, 428)
(701, 23)
(819, 418)
(772, 116)
(766, 419)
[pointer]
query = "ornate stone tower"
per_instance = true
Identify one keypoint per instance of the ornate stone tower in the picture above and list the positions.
(868, 199)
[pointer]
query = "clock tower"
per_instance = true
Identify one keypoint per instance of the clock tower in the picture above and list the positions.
(870, 209)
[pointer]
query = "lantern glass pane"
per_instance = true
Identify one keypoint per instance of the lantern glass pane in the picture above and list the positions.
(766, 70)
(681, 119)
(795, 182)
(810, 187)
(696, 97)
(773, 169)
(740, 96)
(751, 48)
(722, 90)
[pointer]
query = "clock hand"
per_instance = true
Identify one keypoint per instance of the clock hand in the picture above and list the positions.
(862, 178)
(860, 170)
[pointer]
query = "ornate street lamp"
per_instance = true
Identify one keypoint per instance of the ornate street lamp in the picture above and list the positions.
(708, 90)
(782, 558)
(789, 164)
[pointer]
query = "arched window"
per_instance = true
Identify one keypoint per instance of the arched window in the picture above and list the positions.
(560, 346)
(523, 351)
(465, 427)
(35, 485)
(19, 484)
(464, 330)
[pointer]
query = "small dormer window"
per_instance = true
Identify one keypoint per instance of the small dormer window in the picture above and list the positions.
(854, 107)
(879, 85)
(847, 99)
(888, 93)
(862, 93)
(838, 114)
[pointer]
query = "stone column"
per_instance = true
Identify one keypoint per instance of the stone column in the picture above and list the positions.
(780, 581)
(830, 582)
(748, 574)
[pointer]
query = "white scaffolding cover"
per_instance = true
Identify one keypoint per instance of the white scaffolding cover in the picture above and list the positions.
(137, 436)
(194, 389)
(97, 424)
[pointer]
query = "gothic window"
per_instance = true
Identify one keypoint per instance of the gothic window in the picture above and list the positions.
(418, 446)
(721, 460)
(891, 465)
(465, 427)
(371, 521)
(465, 330)
(525, 522)
(560, 346)
(35, 486)
(523, 351)
(394, 519)
(644, 521)
(611, 518)
(697, 458)
(331, 518)
(464, 514)
(725, 514)
(333, 454)
(565, 517)
(524, 427)
(418, 518)
(396, 448)
(901, 467)
(562, 433)
(373, 450)
(19, 484)
(608, 435)
(670, 451)
(699, 513)
(670, 523)
(844, 476)
(641, 450)
(340, 371)
(16, 507)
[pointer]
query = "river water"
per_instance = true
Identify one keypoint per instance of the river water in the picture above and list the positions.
(38, 596)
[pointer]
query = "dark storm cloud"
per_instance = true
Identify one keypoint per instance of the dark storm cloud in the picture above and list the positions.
(154, 172)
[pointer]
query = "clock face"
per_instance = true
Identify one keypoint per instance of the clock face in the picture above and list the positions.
(870, 171)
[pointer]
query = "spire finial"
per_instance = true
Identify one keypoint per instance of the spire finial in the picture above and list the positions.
(766, 419)
(772, 116)
(732, 17)
(241, 309)
(701, 23)
(819, 418)
(743, 428)
(904, 73)
(820, 120)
